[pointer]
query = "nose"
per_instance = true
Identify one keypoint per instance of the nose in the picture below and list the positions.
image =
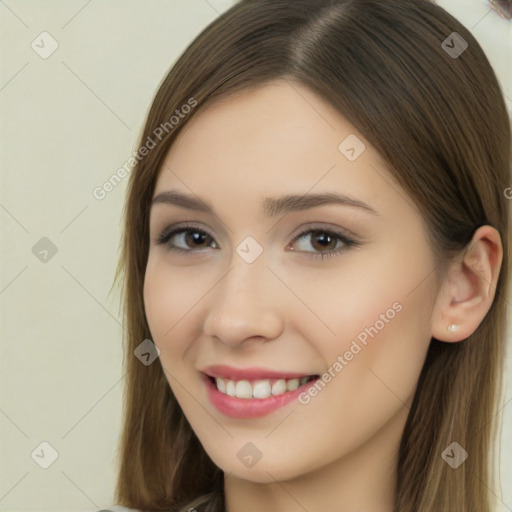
(245, 305)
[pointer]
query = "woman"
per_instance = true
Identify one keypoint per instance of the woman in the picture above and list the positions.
(317, 243)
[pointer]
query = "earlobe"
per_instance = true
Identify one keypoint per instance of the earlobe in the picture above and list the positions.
(452, 327)
(468, 291)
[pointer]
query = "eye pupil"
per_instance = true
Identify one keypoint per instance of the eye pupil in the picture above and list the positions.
(196, 238)
(324, 239)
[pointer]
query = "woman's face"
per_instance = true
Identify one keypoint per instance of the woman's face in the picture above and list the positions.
(301, 257)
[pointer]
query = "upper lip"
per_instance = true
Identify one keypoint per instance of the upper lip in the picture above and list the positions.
(252, 373)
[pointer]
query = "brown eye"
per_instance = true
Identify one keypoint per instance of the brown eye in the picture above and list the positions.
(321, 240)
(321, 243)
(186, 239)
(195, 239)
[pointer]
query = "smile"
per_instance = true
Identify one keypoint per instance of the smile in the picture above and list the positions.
(252, 393)
(259, 389)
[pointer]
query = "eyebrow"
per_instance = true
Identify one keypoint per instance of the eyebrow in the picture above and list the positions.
(271, 206)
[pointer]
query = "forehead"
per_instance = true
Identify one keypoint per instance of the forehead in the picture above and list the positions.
(274, 118)
(277, 138)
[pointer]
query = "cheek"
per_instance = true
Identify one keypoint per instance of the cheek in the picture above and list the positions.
(170, 297)
(373, 324)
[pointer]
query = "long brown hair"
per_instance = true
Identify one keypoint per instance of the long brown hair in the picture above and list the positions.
(440, 122)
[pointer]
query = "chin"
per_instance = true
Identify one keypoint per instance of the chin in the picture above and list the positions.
(265, 470)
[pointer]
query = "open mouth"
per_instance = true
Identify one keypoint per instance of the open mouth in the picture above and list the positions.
(259, 389)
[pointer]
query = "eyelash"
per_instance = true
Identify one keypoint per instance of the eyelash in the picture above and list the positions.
(166, 236)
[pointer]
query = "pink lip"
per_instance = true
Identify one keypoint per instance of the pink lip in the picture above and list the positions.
(245, 408)
(232, 373)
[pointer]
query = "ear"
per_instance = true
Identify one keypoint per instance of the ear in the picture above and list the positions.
(468, 291)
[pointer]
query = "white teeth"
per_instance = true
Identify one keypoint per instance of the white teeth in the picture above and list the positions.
(279, 387)
(243, 389)
(221, 385)
(230, 388)
(292, 384)
(258, 388)
(261, 389)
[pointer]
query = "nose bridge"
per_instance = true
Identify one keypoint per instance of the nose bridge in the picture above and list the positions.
(245, 275)
(246, 285)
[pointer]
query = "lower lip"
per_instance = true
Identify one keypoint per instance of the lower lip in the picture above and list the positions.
(250, 407)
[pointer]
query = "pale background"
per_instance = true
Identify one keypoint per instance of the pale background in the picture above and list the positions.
(68, 123)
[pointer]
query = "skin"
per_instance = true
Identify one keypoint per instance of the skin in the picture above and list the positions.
(291, 311)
